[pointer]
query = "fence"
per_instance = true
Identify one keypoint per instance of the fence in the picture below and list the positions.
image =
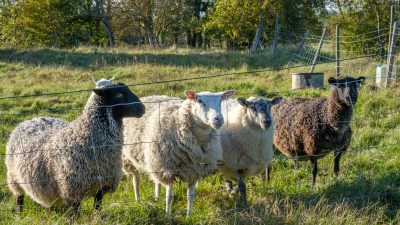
(304, 57)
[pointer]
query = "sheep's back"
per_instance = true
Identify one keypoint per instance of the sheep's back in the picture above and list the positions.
(297, 124)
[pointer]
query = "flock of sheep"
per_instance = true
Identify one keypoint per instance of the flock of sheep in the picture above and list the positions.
(58, 162)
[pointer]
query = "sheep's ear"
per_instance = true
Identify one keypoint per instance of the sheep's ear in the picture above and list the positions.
(332, 80)
(243, 102)
(191, 95)
(276, 100)
(361, 79)
(227, 94)
(99, 92)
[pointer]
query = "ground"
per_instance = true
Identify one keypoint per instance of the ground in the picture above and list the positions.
(367, 190)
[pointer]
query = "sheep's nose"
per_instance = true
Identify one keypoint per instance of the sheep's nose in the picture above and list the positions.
(266, 123)
(218, 120)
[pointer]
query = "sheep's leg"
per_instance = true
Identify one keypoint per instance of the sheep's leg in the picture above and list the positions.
(268, 173)
(157, 187)
(242, 190)
(190, 198)
(314, 168)
(98, 198)
(296, 164)
(228, 185)
(136, 185)
(169, 198)
(20, 203)
(76, 208)
(337, 162)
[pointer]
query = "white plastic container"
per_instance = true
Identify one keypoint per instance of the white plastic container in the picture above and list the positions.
(381, 70)
(380, 74)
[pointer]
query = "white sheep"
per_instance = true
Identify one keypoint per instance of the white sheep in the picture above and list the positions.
(177, 140)
(57, 162)
(246, 139)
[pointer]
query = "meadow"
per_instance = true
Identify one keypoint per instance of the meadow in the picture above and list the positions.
(367, 190)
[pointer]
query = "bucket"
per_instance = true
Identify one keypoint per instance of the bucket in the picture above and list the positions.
(307, 80)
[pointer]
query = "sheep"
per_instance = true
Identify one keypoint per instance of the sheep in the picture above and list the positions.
(311, 128)
(152, 103)
(246, 140)
(178, 141)
(56, 162)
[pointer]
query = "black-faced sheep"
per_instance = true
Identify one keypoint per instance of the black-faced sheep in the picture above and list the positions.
(178, 140)
(56, 162)
(307, 129)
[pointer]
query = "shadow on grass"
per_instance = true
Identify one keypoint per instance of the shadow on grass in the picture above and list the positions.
(360, 196)
(361, 193)
(97, 59)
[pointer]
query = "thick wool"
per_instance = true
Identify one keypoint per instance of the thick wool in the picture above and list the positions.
(170, 143)
(56, 162)
(247, 147)
(312, 126)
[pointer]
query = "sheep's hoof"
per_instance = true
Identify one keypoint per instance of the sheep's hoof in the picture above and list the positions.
(241, 205)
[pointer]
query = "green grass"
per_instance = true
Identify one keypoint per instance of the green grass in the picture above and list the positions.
(367, 190)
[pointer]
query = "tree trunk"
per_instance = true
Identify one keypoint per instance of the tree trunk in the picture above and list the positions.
(199, 40)
(257, 38)
(176, 39)
(193, 39)
(149, 25)
(106, 20)
(162, 40)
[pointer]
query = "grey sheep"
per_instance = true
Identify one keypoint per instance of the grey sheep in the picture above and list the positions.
(176, 140)
(58, 162)
(307, 129)
(246, 140)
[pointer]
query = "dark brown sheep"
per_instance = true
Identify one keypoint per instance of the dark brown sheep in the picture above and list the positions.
(311, 128)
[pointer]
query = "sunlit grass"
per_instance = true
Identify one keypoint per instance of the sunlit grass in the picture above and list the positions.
(367, 190)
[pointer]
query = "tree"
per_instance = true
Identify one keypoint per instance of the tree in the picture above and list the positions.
(106, 18)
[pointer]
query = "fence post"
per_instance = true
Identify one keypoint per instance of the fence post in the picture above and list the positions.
(321, 41)
(392, 52)
(337, 51)
(391, 25)
(276, 35)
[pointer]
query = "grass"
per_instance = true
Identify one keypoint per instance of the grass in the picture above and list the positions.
(367, 190)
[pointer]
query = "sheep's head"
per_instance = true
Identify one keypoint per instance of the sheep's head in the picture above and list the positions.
(102, 82)
(346, 89)
(121, 99)
(259, 110)
(207, 106)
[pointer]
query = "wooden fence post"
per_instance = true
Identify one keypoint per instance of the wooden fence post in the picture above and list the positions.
(391, 25)
(392, 53)
(337, 51)
(321, 41)
(276, 35)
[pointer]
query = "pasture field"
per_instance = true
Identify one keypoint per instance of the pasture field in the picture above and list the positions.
(366, 192)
